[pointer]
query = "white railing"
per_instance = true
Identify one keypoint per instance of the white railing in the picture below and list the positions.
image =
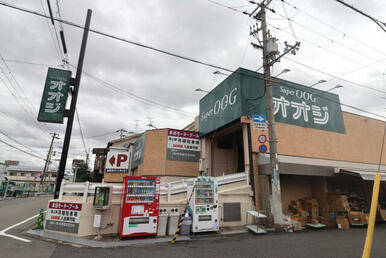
(168, 189)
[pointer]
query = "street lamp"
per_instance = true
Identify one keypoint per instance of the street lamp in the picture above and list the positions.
(284, 71)
(320, 81)
(336, 87)
(219, 72)
(198, 89)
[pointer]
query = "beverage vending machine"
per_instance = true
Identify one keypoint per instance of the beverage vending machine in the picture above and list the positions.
(140, 206)
(204, 203)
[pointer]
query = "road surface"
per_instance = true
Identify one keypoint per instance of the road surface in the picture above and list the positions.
(308, 243)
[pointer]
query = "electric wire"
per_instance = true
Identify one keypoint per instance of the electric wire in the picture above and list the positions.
(334, 76)
(21, 100)
(81, 132)
(13, 139)
(26, 152)
(331, 40)
(68, 67)
(336, 42)
(333, 27)
(376, 21)
(134, 96)
(228, 7)
(362, 66)
(181, 56)
(52, 36)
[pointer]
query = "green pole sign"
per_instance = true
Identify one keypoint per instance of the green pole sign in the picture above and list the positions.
(54, 96)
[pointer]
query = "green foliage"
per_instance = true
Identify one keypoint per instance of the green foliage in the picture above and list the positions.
(83, 174)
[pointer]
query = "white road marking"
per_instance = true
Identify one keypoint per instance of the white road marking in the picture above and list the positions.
(2, 232)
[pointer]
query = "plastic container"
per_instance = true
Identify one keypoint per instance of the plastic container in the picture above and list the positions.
(162, 222)
(186, 225)
(173, 220)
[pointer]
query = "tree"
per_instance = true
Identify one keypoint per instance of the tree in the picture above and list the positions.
(83, 174)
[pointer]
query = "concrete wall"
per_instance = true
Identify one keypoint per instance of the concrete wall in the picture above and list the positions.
(234, 192)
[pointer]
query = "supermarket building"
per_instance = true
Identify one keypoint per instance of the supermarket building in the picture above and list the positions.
(321, 150)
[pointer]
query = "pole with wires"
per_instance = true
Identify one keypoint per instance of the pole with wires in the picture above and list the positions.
(71, 113)
(43, 174)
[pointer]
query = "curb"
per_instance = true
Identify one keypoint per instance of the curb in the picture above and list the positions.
(47, 235)
(99, 244)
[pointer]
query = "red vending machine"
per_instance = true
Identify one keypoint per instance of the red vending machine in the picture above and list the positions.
(140, 206)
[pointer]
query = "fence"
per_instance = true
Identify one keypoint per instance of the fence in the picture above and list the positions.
(22, 189)
(87, 189)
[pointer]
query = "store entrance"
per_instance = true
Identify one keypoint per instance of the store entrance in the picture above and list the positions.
(227, 152)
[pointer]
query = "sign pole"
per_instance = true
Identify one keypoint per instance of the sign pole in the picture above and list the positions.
(70, 113)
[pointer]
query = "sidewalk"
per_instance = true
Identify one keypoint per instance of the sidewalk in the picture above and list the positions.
(115, 242)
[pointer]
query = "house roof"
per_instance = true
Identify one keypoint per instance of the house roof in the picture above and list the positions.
(131, 137)
(29, 169)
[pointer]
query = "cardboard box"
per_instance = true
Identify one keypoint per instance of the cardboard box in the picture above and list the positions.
(342, 222)
(382, 213)
(344, 201)
(337, 202)
(365, 218)
(355, 217)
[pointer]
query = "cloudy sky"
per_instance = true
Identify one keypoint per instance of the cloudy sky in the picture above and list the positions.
(124, 83)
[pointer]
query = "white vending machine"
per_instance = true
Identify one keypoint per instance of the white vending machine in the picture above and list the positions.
(204, 203)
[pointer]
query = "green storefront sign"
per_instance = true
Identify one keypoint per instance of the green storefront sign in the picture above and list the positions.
(293, 103)
(138, 152)
(54, 97)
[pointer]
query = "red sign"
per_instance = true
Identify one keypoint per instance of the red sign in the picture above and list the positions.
(262, 138)
(185, 134)
(65, 206)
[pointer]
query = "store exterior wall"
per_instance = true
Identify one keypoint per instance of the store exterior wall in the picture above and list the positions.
(155, 158)
(361, 143)
(155, 161)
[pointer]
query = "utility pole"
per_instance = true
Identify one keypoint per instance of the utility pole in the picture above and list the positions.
(43, 174)
(70, 113)
(136, 125)
(275, 178)
(270, 56)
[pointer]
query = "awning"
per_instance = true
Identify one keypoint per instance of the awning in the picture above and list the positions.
(365, 175)
(319, 167)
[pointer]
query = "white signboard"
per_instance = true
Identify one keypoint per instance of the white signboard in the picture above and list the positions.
(63, 216)
(183, 146)
(117, 161)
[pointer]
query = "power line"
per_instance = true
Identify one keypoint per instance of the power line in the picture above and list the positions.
(13, 139)
(136, 97)
(112, 87)
(376, 21)
(52, 36)
(100, 135)
(23, 101)
(178, 55)
(228, 7)
(312, 16)
(81, 131)
(334, 76)
(346, 73)
(332, 41)
(10, 145)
